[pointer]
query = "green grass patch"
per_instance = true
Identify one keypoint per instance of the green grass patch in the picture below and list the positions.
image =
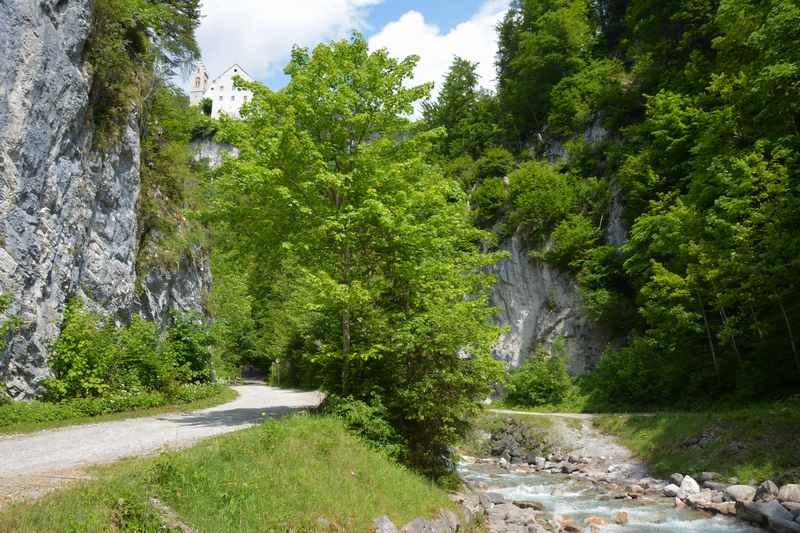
(26, 417)
(755, 442)
(279, 476)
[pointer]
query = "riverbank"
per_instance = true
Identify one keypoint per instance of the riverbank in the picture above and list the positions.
(554, 473)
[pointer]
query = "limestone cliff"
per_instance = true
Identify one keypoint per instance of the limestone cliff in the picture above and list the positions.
(67, 211)
(541, 304)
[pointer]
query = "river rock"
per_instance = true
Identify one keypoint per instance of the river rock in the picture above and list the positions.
(621, 518)
(689, 485)
(709, 476)
(715, 485)
(793, 507)
(676, 479)
(536, 506)
(596, 521)
(767, 491)
(789, 493)
(383, 524)
(672, 490)
(740, 493)
(447, 519)
(784, 526)
(762, 512)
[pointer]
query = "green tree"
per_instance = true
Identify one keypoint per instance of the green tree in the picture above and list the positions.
(365, 250)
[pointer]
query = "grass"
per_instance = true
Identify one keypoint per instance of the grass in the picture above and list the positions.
(278, 476)
(226, 395)
(760, 441)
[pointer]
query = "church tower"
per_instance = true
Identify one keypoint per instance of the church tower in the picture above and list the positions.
(199, 84)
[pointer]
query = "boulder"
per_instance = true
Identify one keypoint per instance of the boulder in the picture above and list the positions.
(672, 490)
(596, 521)
(739, 493)
(789, 493)
(448, 519)
(793, 507)
(539, 462)
(689, 485)
(762, 512)
(383, 524)
(710, 476)
(636, 489)
(676, 479)
(715, 485)
(767, 491)
(536, 506)
(418, 525)
(621, 518)
(784, 526)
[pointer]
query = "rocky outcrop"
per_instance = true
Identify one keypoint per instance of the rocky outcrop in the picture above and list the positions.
(540, 304)
(67, 211)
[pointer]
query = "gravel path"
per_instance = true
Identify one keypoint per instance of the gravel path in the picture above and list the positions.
(31, 464)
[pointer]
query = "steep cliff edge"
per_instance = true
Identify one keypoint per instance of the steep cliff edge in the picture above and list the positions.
(68, 212)
(540, 304)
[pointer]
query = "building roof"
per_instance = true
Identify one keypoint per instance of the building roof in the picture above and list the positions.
(237, 66)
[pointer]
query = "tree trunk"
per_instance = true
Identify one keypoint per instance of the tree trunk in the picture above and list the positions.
(791, 337)
(724, 317)
(710, 341)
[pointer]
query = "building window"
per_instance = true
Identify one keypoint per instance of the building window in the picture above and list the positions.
(233, 97)
(197, 82)
(220, 98)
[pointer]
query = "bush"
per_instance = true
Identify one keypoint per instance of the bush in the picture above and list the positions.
(572, 239)
(488, 200)
(92, 358)
(541, 196)
(368, 421)
(36, 411)
(541, 380)
(495, 163)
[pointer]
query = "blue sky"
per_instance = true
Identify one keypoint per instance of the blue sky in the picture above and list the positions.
(258, 34)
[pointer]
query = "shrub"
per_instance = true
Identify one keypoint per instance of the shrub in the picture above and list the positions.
(187, 343)
(495, 163)
(571, 241)
(541, 196)
(8, 325)
(92, 358)
(488, 200)
(368, 421)
(541, 380)
(117, 402)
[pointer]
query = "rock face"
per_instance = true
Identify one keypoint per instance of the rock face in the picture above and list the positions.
(67, 211)
(542, 304)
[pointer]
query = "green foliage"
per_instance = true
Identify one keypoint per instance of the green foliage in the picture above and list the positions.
(371, 287)
(540, 43)
(370, 422)
(488, 199)
(129, 41)
(187, 347)
(542, 379)
(279, 476)
(494, 163)
(570, 241)
(93, 358)
(541, 196)
(468, 114)
(18, 413)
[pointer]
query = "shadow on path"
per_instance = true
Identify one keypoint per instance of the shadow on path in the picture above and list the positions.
(235, 417)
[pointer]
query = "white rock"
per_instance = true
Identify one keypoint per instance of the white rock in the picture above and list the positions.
(689, 485)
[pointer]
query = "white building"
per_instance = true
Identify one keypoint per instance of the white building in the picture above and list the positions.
(225, 98)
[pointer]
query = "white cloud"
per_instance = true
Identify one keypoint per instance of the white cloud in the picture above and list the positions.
(474, 39)
(259, 34)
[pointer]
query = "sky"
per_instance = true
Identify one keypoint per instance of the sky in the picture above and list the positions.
(259, 34)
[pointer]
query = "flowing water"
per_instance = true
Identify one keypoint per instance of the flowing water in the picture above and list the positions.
(580, 499)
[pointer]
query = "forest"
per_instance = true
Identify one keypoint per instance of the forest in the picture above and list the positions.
(354, 235)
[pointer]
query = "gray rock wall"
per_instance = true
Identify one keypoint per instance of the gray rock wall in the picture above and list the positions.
(67, 212)
(540, 304)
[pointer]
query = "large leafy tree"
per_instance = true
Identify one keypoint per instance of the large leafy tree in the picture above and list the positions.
(362, 250)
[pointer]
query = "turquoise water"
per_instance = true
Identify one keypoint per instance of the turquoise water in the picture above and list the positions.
(579, 499)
